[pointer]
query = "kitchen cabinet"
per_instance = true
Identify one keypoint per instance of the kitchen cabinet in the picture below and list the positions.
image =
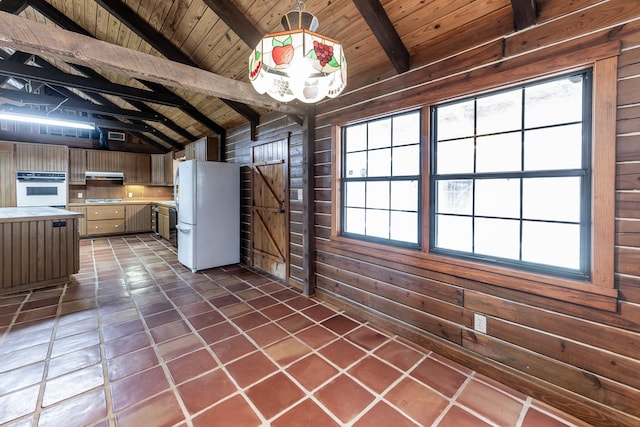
(105, 220)
(41, 157)
(105, 161)
(77, 166)
(82, 221)
(40, 248)
(138, 218)
(203, 149)
(7, 176)
(162, 169)
(137, 168)
(163, 222)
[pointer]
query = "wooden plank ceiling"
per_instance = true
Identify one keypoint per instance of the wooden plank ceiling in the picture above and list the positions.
(381, 38)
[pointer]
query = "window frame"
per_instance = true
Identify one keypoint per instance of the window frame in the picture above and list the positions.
(584, 173)
(391, 178)
(599, 292)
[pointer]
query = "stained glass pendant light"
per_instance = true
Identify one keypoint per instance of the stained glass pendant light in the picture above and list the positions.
(298, 62)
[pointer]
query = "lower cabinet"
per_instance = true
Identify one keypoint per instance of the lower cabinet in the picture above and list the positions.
(163, 222)
(115, 219)
(105, 220)
(138, 218)
(82, 221)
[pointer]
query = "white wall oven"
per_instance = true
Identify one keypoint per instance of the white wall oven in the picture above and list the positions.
(41, 189)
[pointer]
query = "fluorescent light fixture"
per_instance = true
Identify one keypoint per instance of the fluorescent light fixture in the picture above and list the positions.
(45, 120)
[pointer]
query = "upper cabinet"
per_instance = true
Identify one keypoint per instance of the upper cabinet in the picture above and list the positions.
(203, 149)
(7, 176)
(105, 161)
(137, 168)
(41, 157)
(77, 166)
(162, 169)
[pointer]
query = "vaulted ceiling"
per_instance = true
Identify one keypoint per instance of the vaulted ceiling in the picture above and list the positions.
(382, 38)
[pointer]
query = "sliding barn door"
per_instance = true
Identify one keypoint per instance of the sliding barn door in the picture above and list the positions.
(269, 214)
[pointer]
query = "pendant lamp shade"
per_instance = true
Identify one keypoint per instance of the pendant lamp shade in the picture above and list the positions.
(298, 63)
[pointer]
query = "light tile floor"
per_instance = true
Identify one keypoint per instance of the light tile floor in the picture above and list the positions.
(138, 340)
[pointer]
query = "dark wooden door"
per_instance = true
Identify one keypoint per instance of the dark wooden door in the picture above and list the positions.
(269, 214)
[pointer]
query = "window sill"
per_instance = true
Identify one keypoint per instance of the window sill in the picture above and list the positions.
(571, 291)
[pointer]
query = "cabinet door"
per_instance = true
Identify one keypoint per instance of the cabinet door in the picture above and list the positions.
(138, 218)
(168, 168)
(41, 157)
(105, 161)
(163, 225)
(82, 221)
(137, 168)
(7, 177)
(203, 149)
(158, 169)
(77, 166)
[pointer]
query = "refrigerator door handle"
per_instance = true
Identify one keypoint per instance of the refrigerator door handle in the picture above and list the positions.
(176, 196)
(183, 229)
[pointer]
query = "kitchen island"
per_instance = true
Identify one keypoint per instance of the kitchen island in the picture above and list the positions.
(39, 247)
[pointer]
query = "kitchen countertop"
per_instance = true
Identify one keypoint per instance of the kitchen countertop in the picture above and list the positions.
(170, 203)
(31, 213)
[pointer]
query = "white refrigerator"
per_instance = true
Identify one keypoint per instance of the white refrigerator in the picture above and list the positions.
(207, 196)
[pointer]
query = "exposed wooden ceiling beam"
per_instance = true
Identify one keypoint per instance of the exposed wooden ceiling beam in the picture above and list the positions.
(158, 41)
(22, 34)
(64, 22)
(14, 69)
(99, 122)
(24, 98)
(381, 26)
(189, 109)
(13, 6)
(89, 72)
(103, 101)
(19, 57)
(248, 33)
(525, 13)
(236, 20)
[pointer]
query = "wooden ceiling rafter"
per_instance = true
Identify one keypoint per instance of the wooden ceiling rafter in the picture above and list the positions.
(136, 104)
(248, 33)
(382, 28)
(23, 34)
(17, 57)
(159, 42)
(68, 24)
(15, 69)
(13, 6)
(525, 13)
(75, 105)
(141, 136)
(68, 94)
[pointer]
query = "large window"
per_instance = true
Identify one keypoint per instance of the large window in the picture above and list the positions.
(381, 180)
(511, 177)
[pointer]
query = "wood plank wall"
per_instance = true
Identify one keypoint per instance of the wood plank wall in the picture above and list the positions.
(238, 150)
(582, 360)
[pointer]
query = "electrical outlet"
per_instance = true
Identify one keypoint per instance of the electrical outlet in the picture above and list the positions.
(480, 323)
(79, 195)
(130, 194)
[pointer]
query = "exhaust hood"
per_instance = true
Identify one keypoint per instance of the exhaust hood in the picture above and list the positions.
(104, 176)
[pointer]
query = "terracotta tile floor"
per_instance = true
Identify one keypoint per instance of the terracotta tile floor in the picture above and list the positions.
(138, 340)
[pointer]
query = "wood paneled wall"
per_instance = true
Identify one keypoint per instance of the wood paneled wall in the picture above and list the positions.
(582, 360)
(238, 150)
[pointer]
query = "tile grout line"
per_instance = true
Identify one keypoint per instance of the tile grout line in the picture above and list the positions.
(207, 347)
